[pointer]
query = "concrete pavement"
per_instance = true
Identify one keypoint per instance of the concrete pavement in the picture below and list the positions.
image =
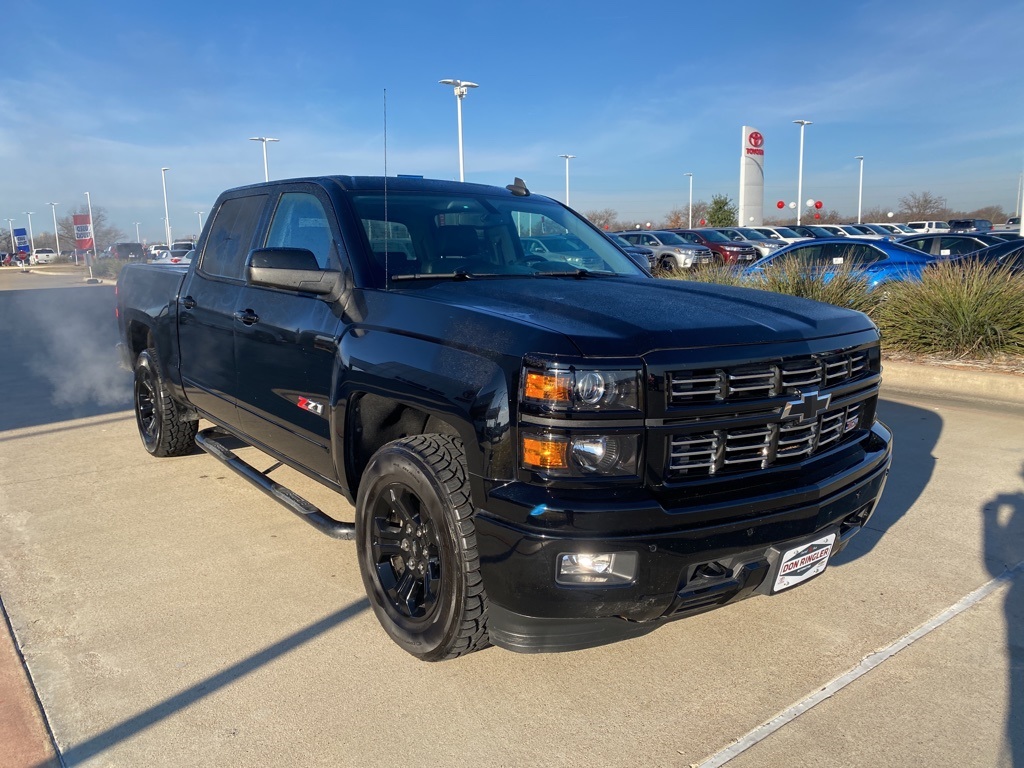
(172, 615)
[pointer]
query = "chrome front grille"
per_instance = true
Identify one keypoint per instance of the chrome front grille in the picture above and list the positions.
(764, 380)
(706, 453)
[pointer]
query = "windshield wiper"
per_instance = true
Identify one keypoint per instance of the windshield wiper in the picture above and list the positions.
(458, 274)
(578, 272)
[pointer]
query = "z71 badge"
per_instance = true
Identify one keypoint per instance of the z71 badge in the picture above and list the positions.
(311, 405)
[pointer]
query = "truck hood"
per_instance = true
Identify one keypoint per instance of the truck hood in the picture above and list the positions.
(617, 317)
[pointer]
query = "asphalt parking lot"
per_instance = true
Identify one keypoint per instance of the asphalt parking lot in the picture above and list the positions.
(171, 615)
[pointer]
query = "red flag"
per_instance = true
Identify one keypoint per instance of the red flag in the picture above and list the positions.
(83, 232)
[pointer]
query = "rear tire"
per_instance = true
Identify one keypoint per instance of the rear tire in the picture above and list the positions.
(163, 430)
(417, 548)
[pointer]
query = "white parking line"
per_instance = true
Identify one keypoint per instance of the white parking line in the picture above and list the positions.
(790, 714)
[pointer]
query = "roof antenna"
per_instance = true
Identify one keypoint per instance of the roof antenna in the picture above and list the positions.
(518, 188)
(387, 226)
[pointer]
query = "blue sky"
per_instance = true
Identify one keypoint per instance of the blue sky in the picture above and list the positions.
(102, 95)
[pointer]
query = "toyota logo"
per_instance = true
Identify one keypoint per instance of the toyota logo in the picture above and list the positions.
(755, 139)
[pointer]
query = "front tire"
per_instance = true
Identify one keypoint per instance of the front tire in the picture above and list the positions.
(416, 541)
(162, 429)
(668, 265)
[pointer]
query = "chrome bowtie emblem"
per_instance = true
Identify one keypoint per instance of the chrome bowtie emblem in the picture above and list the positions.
(807, 407)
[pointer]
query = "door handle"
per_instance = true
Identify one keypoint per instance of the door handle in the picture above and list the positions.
(247, 316)
(188, 302)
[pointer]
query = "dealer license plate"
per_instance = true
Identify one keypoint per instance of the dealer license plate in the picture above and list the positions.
(804, 562)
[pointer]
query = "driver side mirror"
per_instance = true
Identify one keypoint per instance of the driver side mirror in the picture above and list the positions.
(293, 269)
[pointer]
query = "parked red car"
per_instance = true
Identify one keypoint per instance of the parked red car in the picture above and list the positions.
(727, 251)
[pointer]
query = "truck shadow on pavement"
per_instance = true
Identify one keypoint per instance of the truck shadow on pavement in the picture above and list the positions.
(915, 433)
(1003, 517)
(99, 743)
(59, 359)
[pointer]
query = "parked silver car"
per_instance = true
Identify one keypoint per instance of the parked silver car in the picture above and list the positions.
(671, 252)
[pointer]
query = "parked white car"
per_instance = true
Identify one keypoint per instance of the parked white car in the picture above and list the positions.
(895, 227)
(929, 226)
(847, 230)
(785, 234)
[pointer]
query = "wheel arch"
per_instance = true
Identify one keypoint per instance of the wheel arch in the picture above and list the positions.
(454, 392)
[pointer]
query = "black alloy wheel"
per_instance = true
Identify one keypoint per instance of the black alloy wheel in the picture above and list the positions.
(405, 552)
(416, 541)
(163, 429)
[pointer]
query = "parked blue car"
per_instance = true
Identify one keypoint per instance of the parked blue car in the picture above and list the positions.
(880, 261)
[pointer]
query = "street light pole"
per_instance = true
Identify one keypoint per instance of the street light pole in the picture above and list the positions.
(31, 237)
(167, 218)
(92, 233)
(800, 174)
(264, 140)
(200, 215)
(14, 245)
(689, 224)
(138, 237)
(567, 159)
(56, 237)
(860, 186)
(461, 89)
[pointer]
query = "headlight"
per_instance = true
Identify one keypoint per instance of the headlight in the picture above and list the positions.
(581, 389)
(581, 455)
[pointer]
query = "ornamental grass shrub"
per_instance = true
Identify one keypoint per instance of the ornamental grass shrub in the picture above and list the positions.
(962, 310)
(107, 267)
(844, 288)
(706, 273)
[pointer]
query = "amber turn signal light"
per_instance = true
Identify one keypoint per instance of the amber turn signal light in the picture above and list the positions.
(539, 453)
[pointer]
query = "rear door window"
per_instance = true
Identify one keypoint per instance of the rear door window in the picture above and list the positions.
(231, 235)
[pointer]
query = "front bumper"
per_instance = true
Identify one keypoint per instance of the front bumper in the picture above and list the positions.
(682, 570)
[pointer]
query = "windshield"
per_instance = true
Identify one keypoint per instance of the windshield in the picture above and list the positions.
(819, 231)
(785, 232)
(424, 234)
(752, 234)
(671, 238)
(714, 237)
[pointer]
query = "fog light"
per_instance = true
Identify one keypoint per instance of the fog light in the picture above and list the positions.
(599, 569)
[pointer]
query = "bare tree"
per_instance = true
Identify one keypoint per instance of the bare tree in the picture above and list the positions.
(679, 218)
(878, 213)
(606, 219)
(826, 217)
(993, 213)
(922, 205)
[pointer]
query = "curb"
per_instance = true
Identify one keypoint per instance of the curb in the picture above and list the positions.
(24, 731)
(953, 383)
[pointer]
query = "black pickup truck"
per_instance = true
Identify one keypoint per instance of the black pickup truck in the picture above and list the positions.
(544, 451)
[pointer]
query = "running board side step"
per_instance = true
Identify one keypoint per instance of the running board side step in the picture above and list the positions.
(208, 441)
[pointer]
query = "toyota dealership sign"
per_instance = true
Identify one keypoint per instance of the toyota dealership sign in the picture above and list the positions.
(751, 205)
